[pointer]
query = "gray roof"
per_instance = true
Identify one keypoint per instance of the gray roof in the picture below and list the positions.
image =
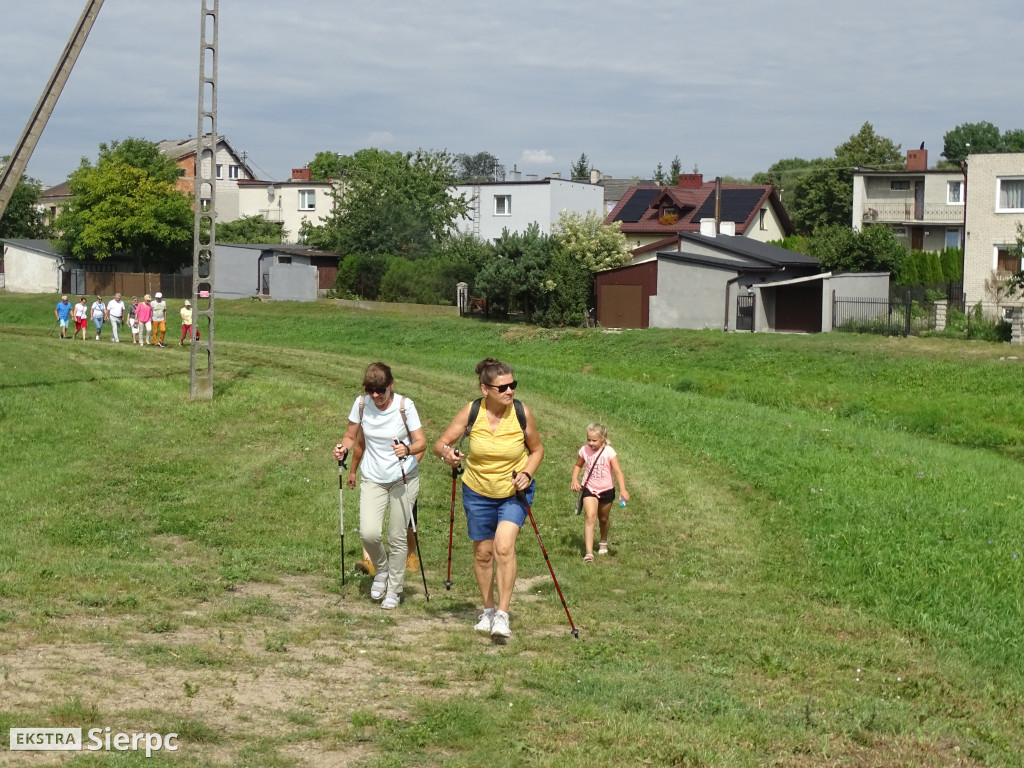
(36, 246)
(768, 255)
(615, 189)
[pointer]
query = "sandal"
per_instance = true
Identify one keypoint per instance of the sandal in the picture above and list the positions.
(379, 587)
(588, 558)
(602, 548)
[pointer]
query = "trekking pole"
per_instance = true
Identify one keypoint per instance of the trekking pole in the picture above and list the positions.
(451, 525)
(522, 496)
(341, 512)
(411, 520)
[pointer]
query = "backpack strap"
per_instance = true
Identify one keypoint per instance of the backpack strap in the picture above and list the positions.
(474, 412)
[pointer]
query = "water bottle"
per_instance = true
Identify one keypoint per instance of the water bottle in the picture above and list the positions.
(622, 502)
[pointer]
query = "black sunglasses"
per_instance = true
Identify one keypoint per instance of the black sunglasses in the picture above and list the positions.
(372, 391)
(504, 387)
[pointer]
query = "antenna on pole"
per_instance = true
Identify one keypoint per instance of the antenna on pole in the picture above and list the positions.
(204, 236)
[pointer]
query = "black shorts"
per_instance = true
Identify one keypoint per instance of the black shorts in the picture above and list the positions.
(605, 497)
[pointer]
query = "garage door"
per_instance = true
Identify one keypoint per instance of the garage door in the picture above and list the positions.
(619, 306)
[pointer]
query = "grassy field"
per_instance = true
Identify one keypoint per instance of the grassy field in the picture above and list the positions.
(821, 564)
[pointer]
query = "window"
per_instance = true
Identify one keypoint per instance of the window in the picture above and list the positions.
(899, 231)
(1011, 195)
(232, 171)
(763, 220)
(1007, 260)
(899, 186)
(307, 199)
(952, 238)
(181, 173)
(220, 171)
(284, 259)
(954, 192)
(503, 205)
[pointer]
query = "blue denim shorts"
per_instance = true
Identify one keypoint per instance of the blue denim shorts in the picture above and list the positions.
(484, 513)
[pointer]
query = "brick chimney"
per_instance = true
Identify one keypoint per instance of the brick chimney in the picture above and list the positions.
(302, 174)
(691, 180)
(917, 159)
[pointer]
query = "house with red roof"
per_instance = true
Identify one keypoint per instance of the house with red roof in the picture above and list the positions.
(652, 217)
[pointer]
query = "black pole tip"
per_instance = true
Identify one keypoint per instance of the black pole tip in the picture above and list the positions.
(447, 585)
(575, 633)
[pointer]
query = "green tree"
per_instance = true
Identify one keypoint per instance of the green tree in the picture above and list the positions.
(483, 166)
(783, 176)
(251, 229)
(141, 154)
(659, 176)
(970, 137)
(1013, 140)
(360, 275)
(391, 203)
(823, 189)
(23, 219)
(580, 170)
(119, 208)
(326, 165)
(671, 177)
(515, 279)
(842, 249)
(567, 288)
(592, 243)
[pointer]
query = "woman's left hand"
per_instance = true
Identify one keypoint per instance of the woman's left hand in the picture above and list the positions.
(521, 481)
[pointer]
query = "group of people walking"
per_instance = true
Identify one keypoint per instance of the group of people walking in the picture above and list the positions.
(147, 319)
(504, 450)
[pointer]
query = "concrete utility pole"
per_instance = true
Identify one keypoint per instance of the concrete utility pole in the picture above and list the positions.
(204, 237)
(27, 143)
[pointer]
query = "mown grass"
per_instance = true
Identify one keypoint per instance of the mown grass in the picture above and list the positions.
(820, 564)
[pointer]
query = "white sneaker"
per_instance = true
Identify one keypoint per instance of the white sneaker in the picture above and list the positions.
(379, 587)
(486, 619)
(391, 601)
(499, 627)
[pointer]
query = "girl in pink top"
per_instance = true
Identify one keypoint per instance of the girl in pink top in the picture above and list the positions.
(599, 461)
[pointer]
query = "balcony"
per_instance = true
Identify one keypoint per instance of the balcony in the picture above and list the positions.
(908, 212)
(271, 214)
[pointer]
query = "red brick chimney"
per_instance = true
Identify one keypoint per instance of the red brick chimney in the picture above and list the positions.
(302, 174)
(917, 159)
(691, 180)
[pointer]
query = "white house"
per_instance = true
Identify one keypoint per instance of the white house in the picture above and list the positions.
(289, 202)
(923, 208)
(231, 169)
(995, 208)
(515, 205)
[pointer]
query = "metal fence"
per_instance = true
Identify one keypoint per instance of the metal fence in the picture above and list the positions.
(745, 305)
(889, 317)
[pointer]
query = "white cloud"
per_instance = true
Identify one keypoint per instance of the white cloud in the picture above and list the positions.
(536, 156)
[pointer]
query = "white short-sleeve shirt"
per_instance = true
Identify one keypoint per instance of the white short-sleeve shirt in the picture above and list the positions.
(380, 428)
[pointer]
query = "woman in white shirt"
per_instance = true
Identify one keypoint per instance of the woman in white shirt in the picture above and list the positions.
(393, 436)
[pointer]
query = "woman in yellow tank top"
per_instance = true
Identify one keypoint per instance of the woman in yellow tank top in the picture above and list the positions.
(498, 448)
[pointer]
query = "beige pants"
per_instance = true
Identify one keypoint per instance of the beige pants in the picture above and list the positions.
(374, 501)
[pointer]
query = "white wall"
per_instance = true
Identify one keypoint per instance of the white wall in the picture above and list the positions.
(987, 228)
(283, 204)
(539, 202)
(26, 271)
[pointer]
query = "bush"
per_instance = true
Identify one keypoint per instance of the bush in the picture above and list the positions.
(360, 275)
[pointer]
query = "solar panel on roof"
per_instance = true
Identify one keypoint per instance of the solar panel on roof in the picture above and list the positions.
(736, 205)
(637, 205)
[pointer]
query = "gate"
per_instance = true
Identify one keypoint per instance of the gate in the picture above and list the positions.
(746, 304)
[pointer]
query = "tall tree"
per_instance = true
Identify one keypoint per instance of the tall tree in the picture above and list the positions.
(391, 203)
(23, 219)
(326, 165)
(120, 208)
(823, 189)
(671, 177)
(591, 242)
(580, 170)
(141, 154)
(981, 137)
(483, 166)
(1013, 140)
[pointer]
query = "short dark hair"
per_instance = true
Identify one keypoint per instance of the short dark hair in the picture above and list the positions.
(377, 376)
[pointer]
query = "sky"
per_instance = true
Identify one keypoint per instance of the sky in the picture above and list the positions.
(728, 86)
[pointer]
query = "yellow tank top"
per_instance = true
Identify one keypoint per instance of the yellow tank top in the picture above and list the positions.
(494, 455)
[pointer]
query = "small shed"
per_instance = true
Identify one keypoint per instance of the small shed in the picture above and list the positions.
(285, 272)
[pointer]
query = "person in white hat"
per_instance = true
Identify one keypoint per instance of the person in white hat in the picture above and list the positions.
(159, 319)
(186, 322)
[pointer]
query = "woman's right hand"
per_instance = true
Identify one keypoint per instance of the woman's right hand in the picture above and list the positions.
(576, 487)
(340, 452)
(452, 457)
